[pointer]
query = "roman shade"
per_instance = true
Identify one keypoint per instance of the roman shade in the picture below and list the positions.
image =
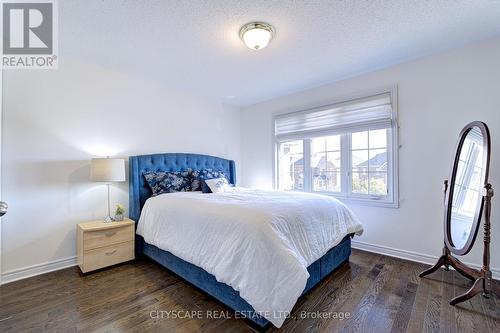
(373, 112)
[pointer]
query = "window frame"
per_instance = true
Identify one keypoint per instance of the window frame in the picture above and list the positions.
(391, 200)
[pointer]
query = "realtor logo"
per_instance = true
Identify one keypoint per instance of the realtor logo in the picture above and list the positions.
(29, 32)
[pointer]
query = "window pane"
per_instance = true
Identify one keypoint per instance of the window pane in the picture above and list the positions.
(326, 163)
(320, 181)
(377, 160)
(369, 162)
(359, 140)
(333, 143)
(334, 181)
(469, 205)
(475, 182)
(468, 178)
(326, 181)
(378, 183)
(360, 160)
(378, 139)
(360, 182)
(318, 145)
(333, 161)
(291, 165)
(460, 172)
(318, 154)
(325, 143)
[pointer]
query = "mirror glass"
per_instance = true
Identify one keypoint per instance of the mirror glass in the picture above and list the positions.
(467, 188)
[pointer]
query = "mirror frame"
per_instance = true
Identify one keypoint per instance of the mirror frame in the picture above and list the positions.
(449, 196)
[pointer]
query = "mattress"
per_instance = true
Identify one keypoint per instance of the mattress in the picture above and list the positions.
(258, 242)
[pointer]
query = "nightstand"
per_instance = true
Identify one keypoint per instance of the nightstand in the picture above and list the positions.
(101, 244)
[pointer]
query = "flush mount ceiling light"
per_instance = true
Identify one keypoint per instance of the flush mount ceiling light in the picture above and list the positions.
(256, 35)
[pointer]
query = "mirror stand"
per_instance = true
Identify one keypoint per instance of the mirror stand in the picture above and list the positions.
(483, 281)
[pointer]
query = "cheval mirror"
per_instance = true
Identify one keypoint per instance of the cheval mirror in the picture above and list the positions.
(467, 198)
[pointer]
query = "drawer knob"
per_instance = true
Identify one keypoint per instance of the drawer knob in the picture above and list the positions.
(109, 234)
(110, 252)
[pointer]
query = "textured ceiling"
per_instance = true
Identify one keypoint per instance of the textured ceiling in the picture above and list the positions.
(194, 45)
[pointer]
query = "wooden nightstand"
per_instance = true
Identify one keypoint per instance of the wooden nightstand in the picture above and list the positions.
(101, 244)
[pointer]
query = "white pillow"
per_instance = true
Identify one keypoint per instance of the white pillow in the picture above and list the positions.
(218, 185)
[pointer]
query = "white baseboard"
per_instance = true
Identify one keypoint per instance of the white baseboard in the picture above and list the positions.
(26, 272)
(411, 256)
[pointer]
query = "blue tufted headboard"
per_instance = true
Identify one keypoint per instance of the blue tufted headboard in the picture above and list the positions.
(139, 191)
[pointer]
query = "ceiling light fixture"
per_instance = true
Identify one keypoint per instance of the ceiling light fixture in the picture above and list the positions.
(256, 35)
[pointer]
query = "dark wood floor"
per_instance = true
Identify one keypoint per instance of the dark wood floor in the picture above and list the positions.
(381, 294)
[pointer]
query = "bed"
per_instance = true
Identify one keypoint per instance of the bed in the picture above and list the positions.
(242, 200)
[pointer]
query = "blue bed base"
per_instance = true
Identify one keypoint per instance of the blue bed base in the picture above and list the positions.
(139, 193)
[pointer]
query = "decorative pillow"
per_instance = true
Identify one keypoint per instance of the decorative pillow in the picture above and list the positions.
(198, 178)
(168, 182)
(218, 185)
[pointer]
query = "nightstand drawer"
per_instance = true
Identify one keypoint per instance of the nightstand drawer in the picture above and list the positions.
(107, 256)
(100, 238)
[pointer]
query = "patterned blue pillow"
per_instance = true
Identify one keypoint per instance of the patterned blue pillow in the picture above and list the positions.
(168, 182)
(198, 179)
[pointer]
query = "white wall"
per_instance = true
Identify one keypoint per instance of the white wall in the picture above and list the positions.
(438, 95)
(55, 121)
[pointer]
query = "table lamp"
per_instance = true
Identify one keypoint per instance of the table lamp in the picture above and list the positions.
(107, 170)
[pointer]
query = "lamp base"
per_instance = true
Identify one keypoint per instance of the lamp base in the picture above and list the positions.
(108, 219)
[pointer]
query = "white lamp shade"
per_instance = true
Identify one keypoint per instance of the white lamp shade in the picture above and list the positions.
(107, 170)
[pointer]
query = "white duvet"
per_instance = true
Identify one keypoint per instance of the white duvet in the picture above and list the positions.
(258, 242)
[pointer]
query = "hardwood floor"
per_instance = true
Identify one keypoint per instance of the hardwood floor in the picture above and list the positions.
(378, 293)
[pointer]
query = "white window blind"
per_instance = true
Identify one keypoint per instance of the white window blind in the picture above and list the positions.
(373, 112)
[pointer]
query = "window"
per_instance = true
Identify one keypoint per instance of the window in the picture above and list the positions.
(347, 150)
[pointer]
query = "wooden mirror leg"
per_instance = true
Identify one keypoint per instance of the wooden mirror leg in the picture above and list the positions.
(463, 269)
(441, 261)
(496, 288)
(477, 287)
(491, 287)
